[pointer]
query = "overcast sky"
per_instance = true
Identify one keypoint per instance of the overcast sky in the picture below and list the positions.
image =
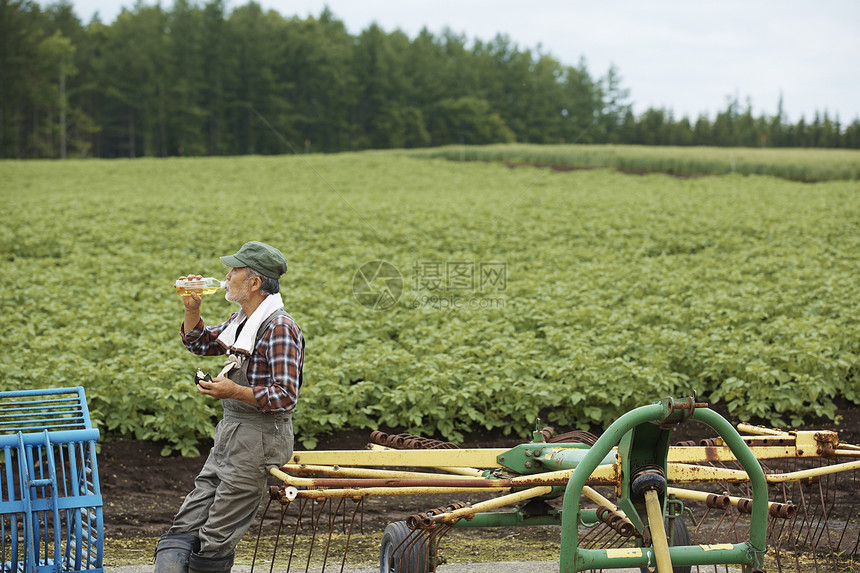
(688, 56)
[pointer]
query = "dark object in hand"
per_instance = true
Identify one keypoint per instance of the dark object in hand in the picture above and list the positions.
(200, 376)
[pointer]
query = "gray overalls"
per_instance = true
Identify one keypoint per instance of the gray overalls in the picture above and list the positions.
(228, 490)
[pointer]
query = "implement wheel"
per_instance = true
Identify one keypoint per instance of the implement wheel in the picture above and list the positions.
(397, 554)
(681, 536)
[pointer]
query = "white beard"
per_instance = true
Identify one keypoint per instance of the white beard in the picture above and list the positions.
(237, 297)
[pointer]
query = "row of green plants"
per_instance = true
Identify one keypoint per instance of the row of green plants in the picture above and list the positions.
(618, 290)
(794, 163)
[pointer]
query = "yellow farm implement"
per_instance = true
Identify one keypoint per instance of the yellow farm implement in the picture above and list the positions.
(625, 499)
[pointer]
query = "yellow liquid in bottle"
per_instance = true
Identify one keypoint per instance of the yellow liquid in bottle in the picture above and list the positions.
(185, 291)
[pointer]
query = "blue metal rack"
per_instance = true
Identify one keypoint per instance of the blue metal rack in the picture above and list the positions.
(50, 502)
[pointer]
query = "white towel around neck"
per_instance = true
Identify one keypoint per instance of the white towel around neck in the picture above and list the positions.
(247, 338)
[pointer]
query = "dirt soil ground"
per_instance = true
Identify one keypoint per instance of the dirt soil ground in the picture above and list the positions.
(142, 490)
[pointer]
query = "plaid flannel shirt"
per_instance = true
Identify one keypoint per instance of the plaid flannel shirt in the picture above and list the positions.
(275, 363)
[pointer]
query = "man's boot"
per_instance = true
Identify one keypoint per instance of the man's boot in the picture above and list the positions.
(173, 551)
(198, 564)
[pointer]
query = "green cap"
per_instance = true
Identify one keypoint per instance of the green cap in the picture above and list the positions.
(263, 258)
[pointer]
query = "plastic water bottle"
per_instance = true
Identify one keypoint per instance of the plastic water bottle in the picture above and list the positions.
(207, 285)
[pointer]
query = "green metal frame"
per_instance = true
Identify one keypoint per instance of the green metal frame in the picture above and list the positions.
(643, 438)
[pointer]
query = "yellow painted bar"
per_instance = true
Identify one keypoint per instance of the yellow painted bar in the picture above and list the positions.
(470, 471)
(595, 496)
(465, 462)
(703, 496)
(702, 454)
(846, 452)
(386, 491)
(684, 473)
(477, 458)
(500, 501)
(761, 430)
(373, 473)
(803, 474)
(658, 532)
(689, 473)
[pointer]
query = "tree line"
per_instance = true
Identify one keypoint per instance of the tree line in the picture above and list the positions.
(201, 80)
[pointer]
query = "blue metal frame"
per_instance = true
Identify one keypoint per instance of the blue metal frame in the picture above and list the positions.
(50, 500)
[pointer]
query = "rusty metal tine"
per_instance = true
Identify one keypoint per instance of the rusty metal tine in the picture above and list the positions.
(411, 541)
(719, 524)
(435, 540)
(610, 539)
(583, 540)
(361, 518)
(332, 517)
(296, 531)
(701, 521)
(856, 545)
(402, 546)
(358, 504)
(776, 538)
(587, 540)
(824, 515)
(815, 537)
(733, 527)
(314, 525)
(805, 515)
(778, 561)
(845, 528)
(794, 538)
(604, 530)
(278, 536)
(259, 533)
(302, 506)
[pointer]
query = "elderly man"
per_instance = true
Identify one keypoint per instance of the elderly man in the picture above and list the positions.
(258, 387)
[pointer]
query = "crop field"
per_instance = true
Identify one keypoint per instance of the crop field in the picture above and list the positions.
(792, 164)
(506, 294)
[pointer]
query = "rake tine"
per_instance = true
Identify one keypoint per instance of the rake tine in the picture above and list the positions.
(778, 560)
(278, 538)
(301, 512)
(771, 531)
(824, 515)
(856, 545)
(404, 543)
(610, 539)
(315, 524)
(701, 522)
(604, 531)
(805, 520)
(820, 526)
(845, 526)
(259, 533)
(302, 505)
(718, 525)
(358, 504)
(733, 527)
(585, 541)
(332, 518)
(435, 539)
(410, 542)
